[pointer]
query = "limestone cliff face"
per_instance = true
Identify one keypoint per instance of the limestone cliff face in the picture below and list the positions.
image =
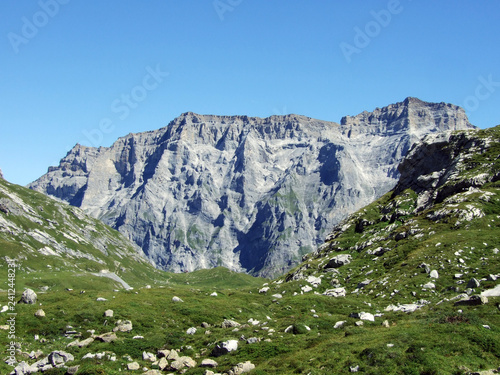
(247, 193)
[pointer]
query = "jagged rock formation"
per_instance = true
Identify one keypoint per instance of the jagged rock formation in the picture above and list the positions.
(250, 194)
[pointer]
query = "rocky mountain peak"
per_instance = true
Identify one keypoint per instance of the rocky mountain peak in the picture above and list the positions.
(412, 114)
(248, 193)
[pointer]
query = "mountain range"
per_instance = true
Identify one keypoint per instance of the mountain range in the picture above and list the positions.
(250, 194)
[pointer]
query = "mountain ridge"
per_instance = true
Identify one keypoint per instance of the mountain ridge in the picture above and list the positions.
(247, 193)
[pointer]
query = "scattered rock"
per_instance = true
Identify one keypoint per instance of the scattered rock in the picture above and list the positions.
(339, 261)
(123, 326)
(182, 362)
(152, 372)
(242, 368)
(385, 324)
(306, 288)
(472, 301)
(364, 283)
(82, 343)
(429, 285)
(162, 363)
(40, 313)
(29, 297)
(228, 323)
(150, 357)
(363, 316)
(207, 362)
(354, 368)
(101, 299)
(336, 292)
(72, 370)
(107, 337)
(339, 324)
(224, 348)
(57, 358)
(133, 366)
(264, 290)
(434, 274)
(176, 299)
(191, 331)
(108, 313)
(473, 283)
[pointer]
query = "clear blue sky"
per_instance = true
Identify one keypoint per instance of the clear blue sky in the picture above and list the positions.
(88, 71)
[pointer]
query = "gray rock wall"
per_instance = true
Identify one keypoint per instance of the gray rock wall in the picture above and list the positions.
(247, 193)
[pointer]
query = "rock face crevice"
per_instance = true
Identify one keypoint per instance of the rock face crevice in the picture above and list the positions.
(247, 193)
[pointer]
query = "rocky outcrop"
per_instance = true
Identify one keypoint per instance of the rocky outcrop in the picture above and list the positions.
(247, 193)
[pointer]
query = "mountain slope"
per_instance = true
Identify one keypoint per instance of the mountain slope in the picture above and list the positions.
(56, 245)
(442, 216)
(249, 194)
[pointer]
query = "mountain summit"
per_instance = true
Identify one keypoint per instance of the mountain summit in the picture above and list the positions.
(251, 194)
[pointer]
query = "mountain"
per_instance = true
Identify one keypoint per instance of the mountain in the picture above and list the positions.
(433, 237)
(55, 245)
(246, 193)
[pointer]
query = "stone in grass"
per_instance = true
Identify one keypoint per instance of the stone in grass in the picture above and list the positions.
(176, 299)
(107, 337)
(224, 348)
(473, 283)
(472, 301)
(123, 326)
(133, 366)
(363, 316)
(57, 358)
(108, 313)
(183, 362)
(207, 362)
(339, 324)
(29, 297)
(243, 367)
(40, 313)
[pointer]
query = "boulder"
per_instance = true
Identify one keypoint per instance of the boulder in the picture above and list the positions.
(133, 366)
(182, 362)
(472, 301)
(363, 316)
(58, 358)
(29, 296)
(339, 324)
(150, 357)
(228, 323)
(207, 362)
(473, 283)
(242, 368)
(224, 348)
(163, 363)
(339, 261)
(364, 283)
(336, 292)
(107, 337)
(123, 326)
